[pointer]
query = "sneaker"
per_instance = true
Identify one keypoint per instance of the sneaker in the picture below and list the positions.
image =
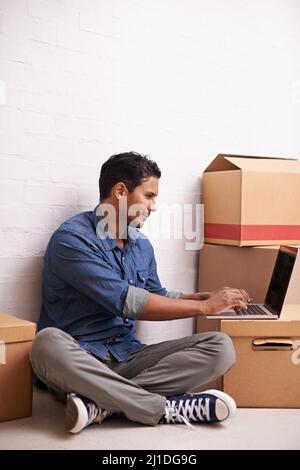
(211, 406)
(81, 412)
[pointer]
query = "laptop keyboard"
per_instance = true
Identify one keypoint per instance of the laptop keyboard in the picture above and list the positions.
(251, 310)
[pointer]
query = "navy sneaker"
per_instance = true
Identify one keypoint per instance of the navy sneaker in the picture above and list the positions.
(81, 412)
(211, 406)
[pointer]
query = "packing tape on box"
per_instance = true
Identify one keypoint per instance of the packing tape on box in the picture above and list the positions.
(2, 352)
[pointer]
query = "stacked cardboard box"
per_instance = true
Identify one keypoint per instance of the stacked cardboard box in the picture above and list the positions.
(267, 370)
(251, 207)
(250, 201)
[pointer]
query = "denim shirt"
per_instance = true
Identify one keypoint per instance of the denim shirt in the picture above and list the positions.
(94, 290)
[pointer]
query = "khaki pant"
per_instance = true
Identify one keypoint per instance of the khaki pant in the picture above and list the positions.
(136, 387)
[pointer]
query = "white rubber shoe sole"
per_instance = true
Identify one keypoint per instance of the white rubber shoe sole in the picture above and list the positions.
(76, 414)
(225, 404)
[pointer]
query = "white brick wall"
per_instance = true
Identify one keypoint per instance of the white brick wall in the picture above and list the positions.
(179, 80)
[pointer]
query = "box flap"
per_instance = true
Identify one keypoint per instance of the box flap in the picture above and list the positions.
(225, 162)
(265, 328)
(14, 330)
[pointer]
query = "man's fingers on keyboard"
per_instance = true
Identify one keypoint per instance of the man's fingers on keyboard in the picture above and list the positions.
(240, 304)
(242, 294)
(247, 296)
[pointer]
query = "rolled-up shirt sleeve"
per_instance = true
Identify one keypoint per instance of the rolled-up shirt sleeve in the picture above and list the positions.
(135, 302)
(74, 261)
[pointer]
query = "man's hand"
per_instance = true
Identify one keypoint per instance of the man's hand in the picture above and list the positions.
(224, 298)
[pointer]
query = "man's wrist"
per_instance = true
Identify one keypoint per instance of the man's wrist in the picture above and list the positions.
(199, 296)
(205, 307)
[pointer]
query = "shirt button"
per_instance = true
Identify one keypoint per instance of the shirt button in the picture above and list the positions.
(123, 258)
(131, 281)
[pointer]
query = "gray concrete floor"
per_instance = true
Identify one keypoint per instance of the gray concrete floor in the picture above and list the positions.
(249, 429)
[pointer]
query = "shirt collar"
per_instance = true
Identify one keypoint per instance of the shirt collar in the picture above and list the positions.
(108, 240)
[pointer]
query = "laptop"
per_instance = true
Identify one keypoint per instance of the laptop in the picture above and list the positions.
(272, 306)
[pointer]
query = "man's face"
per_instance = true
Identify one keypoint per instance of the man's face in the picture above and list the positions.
(141, 201)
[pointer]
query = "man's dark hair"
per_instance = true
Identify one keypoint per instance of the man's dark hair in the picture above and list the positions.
(130, 168)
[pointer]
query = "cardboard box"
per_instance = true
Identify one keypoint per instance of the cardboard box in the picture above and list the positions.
(251, 201)
(15, 369)
(267, 369)
(248, 268)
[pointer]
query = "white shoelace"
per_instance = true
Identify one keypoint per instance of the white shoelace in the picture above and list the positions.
(96, 415)
(186, 411)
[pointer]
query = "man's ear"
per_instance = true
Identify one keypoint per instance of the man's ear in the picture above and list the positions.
(120, 190)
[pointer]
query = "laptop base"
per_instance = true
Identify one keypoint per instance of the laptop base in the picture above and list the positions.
(231, 314)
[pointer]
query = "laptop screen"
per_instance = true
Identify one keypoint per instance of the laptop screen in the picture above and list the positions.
(280, 279)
